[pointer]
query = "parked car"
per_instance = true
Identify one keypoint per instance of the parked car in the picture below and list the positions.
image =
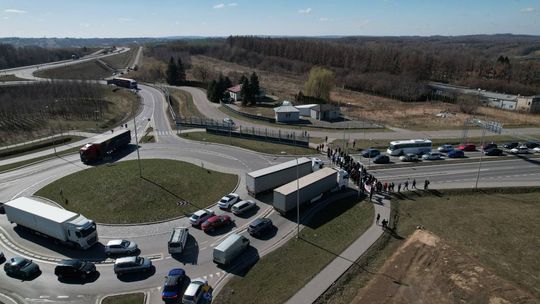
(409, 157)
(243, 206)
(467, 147)
(21, 267)
(258, 226)
(520, 150)
(200, 216)
(488, 146)
(510, 145)
(370, 152)
(228, 121)
(172, 288)
(493, 152)
(445, 148)
(537, 149)
(531, 144)
(228, 200)
(194, 291)
(432, 156)
(116, 247)
(131, 264)
(216, 221)
(74, 269)
(456, 154)
(381, 159)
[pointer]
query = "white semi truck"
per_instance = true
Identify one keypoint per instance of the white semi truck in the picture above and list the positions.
(271, 177)
(311, 187)
(63, 226)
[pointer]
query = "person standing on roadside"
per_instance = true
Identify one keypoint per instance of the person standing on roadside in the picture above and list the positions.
(378, 218)
(414, 183)
(398, 187)
(406, 185)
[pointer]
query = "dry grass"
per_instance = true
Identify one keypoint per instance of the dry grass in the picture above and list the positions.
(85, 70)
(418, 115)
(10, 77)
(123, 60)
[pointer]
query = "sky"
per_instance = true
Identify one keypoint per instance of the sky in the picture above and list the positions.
(159, 18)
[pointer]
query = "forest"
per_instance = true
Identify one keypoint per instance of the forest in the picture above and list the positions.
(11, 56)
(397, 67)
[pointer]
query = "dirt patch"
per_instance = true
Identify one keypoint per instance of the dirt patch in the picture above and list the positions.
(425, 269)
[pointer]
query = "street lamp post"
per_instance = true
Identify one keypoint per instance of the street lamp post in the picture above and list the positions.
(480, 161)
(137, 146)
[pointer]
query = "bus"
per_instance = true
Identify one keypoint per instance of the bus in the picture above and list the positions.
(123, 82)
(415, 146)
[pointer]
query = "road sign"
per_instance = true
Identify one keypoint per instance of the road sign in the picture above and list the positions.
(182, 203)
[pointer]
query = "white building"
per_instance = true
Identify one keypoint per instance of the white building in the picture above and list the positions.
(287, 113)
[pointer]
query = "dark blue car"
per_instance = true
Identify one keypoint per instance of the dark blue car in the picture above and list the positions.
(369, 153)
(173, 285)
(456, 154)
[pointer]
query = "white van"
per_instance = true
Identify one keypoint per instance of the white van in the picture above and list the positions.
(178, 240)
(230, 248)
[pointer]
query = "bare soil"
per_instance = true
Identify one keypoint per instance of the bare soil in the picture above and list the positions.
(409, 115)
(425, 269)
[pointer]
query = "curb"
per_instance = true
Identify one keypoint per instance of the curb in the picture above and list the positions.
(99, 300)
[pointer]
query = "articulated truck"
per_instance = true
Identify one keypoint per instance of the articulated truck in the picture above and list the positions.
(311, 187)
(63, 226)
(123, 82)
(104, 145)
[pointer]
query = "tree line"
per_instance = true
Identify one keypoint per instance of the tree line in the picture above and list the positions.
(11, 57)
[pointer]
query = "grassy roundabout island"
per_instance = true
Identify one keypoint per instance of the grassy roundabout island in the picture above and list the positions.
(115, 193)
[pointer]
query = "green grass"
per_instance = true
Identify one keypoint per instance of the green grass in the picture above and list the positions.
(10, 77)
(281, 273)
(184, 103)
(498, 227)
(36, 159)
(384, 143)
(114, 193)
(254, 145)
(38, 146)
(85, 70)
(147, 139)
(132, 298)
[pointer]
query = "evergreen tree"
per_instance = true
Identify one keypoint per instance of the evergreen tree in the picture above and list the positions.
(211, 93)
(254, 88)
(245, 92)
(180, 71)
(172, 72)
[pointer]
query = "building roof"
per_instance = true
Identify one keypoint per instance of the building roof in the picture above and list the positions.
(279, 167)
(308, 106)
(236, 89)
(286, 109)
(36, 206)
(325, 107)
(306, 180)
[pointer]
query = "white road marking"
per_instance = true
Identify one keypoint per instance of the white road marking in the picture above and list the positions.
(34, 184)
(62, 297)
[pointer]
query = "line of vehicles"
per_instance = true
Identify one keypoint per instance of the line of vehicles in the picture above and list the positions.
(422, 149)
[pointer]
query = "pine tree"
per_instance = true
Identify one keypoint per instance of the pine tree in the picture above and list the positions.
(172, 72)
(211, 93)
(245, 92)
(180, 71)
(254, 88)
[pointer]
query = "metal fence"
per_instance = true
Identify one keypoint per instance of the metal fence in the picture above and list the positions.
(252, 116)
(200, 122)
(293, 138)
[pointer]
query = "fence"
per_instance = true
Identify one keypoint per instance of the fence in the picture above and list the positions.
(288, 138)
(200, 123)
(252, 116)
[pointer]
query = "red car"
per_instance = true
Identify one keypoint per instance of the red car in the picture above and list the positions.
(216, 221)
(467, 147)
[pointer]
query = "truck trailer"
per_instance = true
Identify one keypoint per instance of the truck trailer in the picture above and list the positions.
(275, 176)
(104, 145)
(311, 187)
(123, 82)
(63, 226)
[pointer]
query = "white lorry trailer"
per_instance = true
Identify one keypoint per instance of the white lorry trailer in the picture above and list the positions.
(311, 187)
(63, 226)
(230, 248)
(277, 175)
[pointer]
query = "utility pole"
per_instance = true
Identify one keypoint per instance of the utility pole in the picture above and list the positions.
(297, 195)
(137, 145)
(491, 126)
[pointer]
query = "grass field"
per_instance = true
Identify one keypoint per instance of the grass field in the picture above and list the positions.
(38, 146)
(10, 77)
(123, 60)
(383, 143)
(254, 145)
(497, 227)
(85, 70)
(278, 275)
(132, 298)
(184, 104)
(114, 193)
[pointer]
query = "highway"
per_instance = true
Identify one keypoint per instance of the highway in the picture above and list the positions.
(152, 238)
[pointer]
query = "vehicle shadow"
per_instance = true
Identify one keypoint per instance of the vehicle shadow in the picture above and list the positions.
(81, 281)
(26, 279)
(139, 276)
(528, 159)
(119, 255)
(190, 255)
(242, 263)
(329, 207)
(267, 234)
(249, 213)
(95, 253)
(222, 230)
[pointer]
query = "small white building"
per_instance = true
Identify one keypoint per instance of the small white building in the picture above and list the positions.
(235, 92)
(325, 112)
(305, 110)
(287, 113)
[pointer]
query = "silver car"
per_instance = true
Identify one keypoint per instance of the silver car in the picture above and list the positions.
(200, 216)
(243, 206)
(120, 247)
(194, 292)
(131, 264)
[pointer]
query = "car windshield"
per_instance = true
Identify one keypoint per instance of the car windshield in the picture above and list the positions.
(170, 288)
(139, 260)
(124, 244)
(195, 216)
(86, 232)
(24, 263)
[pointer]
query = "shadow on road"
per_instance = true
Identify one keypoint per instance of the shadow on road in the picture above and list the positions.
(243, 263)
(139, 276)
(80, 280)
(190, 255)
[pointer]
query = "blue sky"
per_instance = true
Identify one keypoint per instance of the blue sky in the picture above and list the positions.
(136, 18)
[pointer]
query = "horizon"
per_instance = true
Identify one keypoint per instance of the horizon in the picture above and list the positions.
(168, 18)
